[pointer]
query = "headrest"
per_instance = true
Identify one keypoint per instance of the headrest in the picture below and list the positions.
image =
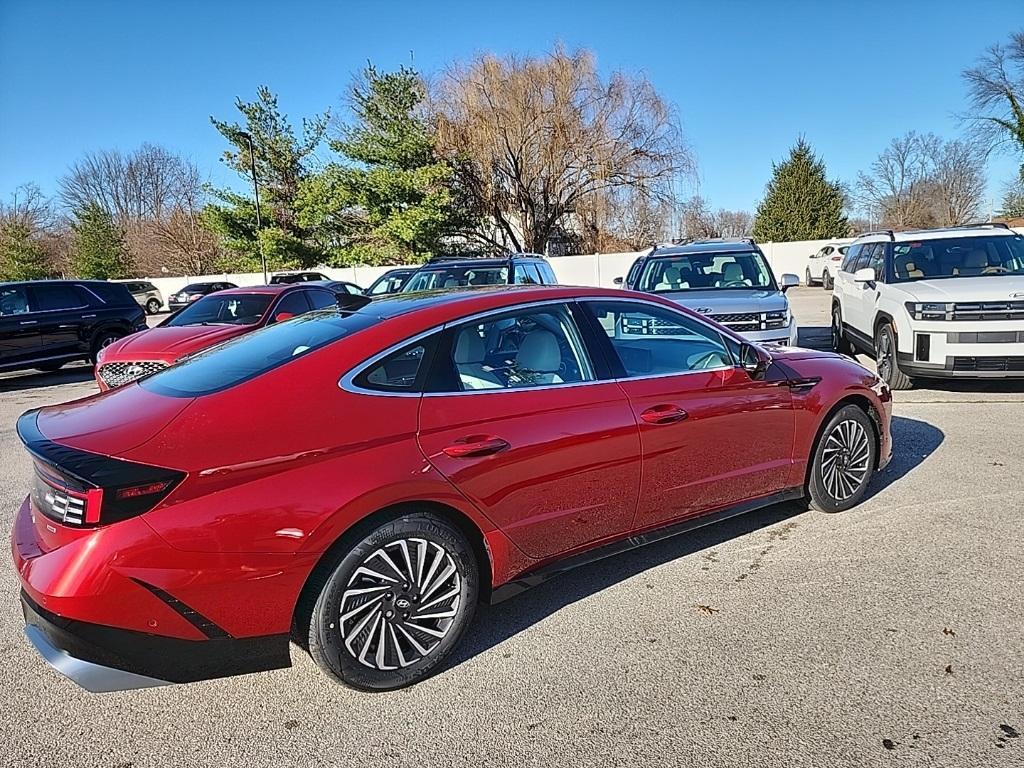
(732, 272)
(672, 275)
(469, 347)
(539, 352)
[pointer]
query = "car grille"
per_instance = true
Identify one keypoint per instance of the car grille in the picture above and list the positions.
(988, 364)
(118, 374)
(988, 310)
(739, 321)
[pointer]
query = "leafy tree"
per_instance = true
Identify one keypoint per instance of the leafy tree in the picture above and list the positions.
(390, 199)
(282, 162)
(21, 257)
(800, 203)
(99, 250)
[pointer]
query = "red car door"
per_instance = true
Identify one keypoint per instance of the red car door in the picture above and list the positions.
(525, 431)
(710, 435)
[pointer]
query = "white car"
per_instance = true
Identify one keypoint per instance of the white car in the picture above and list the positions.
(823, 265)
(934, 303)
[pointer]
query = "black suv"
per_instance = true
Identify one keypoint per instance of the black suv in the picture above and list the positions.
(47, 323)
(461, 271)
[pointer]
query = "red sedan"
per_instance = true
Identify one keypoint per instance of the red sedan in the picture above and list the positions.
(207, 321)
(424, 452)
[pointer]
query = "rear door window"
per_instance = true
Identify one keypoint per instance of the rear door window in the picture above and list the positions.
(321, 299)
(52, 298)
(294, 303)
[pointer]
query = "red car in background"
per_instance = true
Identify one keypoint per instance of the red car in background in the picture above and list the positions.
(209, 320)
(424, 451)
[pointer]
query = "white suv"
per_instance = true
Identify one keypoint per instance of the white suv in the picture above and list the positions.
(823, 265)
(934, 303)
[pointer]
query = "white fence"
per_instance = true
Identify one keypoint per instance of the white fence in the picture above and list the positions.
(592, 269)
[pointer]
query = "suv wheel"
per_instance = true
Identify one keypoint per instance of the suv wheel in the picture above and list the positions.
(886, 360)
(104, 339)
(395, 605)
(840, 343)
(807, 277)
(844, 460)
(152, 306)
(826, 280)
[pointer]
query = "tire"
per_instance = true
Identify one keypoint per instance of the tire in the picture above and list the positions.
(840, 343)
(826, 281)
(103, 339)
(807, 277)
(50, 367)
(344, 638)
(844, 460)
(152, 307)
(887, 361)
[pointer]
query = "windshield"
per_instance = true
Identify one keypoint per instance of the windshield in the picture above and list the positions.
(390, 282)
(706, 271)
(456, 276)
(248, 356)
(224, 309)
(958, 257)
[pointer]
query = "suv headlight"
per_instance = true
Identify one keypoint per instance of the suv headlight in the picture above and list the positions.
(925, 311)
(777, 319)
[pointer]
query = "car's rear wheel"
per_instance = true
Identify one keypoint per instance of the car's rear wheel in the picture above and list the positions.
(807, 277)
(886, 360)
(840, 343)
(396, 603)
(826, 281)
(152, 306)
(103, 339)
(844, 460)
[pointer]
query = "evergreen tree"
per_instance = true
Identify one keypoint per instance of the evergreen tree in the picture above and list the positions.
(21, 257)
(391, 199)
(800, 203)
(99, 249)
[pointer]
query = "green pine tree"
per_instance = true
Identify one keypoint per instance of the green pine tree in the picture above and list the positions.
(99, 250)
(21, 257)
(391, 200)
(800, 203)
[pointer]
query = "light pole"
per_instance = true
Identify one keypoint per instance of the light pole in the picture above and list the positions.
(256, 188)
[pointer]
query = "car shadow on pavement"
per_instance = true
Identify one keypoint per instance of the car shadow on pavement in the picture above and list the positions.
(35, 379)
(915, 441)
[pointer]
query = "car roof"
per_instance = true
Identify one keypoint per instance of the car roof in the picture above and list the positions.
(907, 235)
(269, 289)
(705, 246)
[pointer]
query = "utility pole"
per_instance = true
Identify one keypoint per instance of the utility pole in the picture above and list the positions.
(256, 189)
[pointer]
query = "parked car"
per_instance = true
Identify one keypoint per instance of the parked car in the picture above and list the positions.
(146, 294)
(341, 286)
(935, 303)
(47, 323)
(463, 271)
(824, 265)
(357, 480)
(194, 292)
(284, 278)
(390, 282)
(210, 320)
(727, 280)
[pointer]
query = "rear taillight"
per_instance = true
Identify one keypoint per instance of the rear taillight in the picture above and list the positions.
(837, 258)
(78, 488)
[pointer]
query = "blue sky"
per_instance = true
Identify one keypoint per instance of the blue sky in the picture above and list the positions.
(746, 78)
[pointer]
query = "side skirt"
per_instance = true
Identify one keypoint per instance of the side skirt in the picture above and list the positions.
(538, 576)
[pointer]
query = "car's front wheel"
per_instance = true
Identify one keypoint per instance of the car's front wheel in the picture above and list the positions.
(152, 306)
(103, 339)
(396, 603)
(886, 360)
(844, 460)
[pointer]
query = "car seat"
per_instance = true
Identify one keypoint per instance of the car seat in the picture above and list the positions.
(974, 263)
(732, 273)
(905, 266)
(469, 362)
(671, 280)
(539, 359)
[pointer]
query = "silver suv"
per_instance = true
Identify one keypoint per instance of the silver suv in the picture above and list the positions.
(727, 280)
(146, 294)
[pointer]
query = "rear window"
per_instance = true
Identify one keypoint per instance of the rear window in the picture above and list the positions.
(111, 293)
(246, 357)
(224, 309)
(457, 276)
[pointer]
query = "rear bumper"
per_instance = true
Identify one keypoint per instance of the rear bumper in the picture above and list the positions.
(102, 659)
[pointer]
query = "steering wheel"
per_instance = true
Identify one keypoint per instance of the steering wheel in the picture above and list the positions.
(735, 284)
(994, 269)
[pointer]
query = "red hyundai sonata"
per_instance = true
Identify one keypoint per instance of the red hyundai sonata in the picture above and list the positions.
(423, 452)
(209, 320)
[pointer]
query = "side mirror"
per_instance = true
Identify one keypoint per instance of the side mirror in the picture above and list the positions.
(280, 317)
(866, 275)
(754, 361)
(618, 281)
(789, 280)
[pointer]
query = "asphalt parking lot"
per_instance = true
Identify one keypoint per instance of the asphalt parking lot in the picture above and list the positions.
(890, 634)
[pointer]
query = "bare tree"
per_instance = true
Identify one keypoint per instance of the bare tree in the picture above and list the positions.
(920, 180)
(699, 221)
(735, 223)
(995, 86)
(535, 139)
(28, 207)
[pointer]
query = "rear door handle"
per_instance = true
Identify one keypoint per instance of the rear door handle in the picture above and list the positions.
(28, 322)
(664, 414)
(475, 445)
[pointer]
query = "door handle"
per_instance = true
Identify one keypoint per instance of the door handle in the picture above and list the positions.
(475, 445)
(28, 322)
(664, 414)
